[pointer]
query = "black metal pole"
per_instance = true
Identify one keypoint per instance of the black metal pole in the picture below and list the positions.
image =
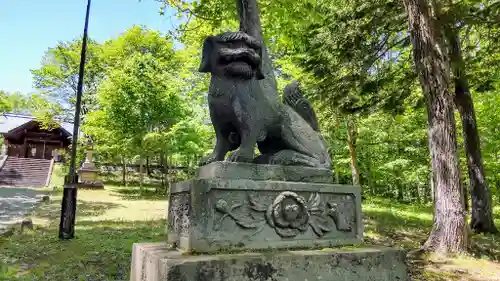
(68, 206)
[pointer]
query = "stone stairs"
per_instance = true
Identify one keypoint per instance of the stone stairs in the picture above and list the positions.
(24, 172)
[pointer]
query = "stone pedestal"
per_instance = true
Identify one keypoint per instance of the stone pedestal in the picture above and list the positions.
(157, 262)
(262, 209)
(88, 174)
(238, 221)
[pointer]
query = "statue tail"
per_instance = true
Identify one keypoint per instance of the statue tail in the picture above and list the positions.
(293, 97)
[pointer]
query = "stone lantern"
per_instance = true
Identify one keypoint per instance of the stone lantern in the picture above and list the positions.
(88, 174)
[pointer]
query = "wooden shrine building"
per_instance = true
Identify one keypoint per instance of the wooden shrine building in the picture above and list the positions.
(25, 138)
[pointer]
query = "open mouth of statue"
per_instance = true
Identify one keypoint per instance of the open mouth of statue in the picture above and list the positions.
(239, 57)
(239, 69)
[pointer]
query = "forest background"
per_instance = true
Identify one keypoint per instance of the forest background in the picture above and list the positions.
(407, 96)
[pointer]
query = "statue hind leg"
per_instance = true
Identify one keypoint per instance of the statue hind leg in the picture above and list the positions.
(287, 157)
(300, 137)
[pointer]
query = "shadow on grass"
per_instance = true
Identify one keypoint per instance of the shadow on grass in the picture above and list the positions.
(149, 192)
(100, 251)
(394, 224)
(390, 223)
(84, 209)
(131, 182)
(486, 246)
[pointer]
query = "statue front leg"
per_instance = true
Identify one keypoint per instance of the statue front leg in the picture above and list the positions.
(219, 153)
(245, 153)
(250, 131)
(222, 145)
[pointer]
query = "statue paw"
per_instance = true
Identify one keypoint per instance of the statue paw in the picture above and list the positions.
(240, 156)
(207, 159)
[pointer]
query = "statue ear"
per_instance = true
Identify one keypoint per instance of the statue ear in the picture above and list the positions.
(259, 75)
(208, 46)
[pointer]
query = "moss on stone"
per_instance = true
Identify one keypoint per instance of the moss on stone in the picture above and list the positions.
(225, 251)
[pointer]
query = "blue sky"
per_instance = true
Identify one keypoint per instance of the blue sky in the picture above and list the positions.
(28, 28)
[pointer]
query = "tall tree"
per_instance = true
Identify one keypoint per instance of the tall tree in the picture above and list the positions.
(449, 232)
(360, 54)
(58, 75)
(454, 21)
(352, 136)
(138, 99)
(46, 111)
(4, 102)
(482, 209)
(15, 102)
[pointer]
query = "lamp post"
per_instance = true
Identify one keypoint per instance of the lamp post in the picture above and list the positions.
(68, 206)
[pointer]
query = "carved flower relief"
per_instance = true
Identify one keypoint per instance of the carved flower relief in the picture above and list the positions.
(288, 214)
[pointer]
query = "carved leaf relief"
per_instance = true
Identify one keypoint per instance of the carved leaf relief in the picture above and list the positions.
(289, 215)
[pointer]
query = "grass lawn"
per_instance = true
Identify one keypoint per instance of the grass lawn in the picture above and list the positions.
(110, 221)
(393, 224)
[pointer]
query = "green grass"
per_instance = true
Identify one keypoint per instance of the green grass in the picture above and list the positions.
(406, 226)
(57, 177)
(107, 226)
(110, 221)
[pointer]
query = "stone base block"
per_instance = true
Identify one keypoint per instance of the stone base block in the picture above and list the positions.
(156, 262)
(258, 172)
(209, 215)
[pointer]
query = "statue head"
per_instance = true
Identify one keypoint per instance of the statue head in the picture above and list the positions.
(233, 54)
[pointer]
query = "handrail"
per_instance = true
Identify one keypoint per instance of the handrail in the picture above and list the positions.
(49, 175)
(3, 160)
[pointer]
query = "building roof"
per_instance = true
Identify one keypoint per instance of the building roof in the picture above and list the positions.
(9, 122)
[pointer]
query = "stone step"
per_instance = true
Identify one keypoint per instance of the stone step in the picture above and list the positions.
(32, 171)
(24, 172)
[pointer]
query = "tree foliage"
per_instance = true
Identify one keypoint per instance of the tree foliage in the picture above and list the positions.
(57, 76)
(354, 59)
(148, 103)
(46, 111)
(357, 64)
(4, 102)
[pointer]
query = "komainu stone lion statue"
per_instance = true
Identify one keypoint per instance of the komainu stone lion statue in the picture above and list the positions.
(286, 133)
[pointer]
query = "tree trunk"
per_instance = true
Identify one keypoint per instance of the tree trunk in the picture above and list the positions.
(148, 169)
(421, 195)
(352, 133)
(124, 171)
(337, 174)
(369, 176)
(167, 179)
(141, 174)
(432, 194)
(335, 163)
(400, 187)
(482, 210)
(466, 199)
(162, 164)
(449, 233)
